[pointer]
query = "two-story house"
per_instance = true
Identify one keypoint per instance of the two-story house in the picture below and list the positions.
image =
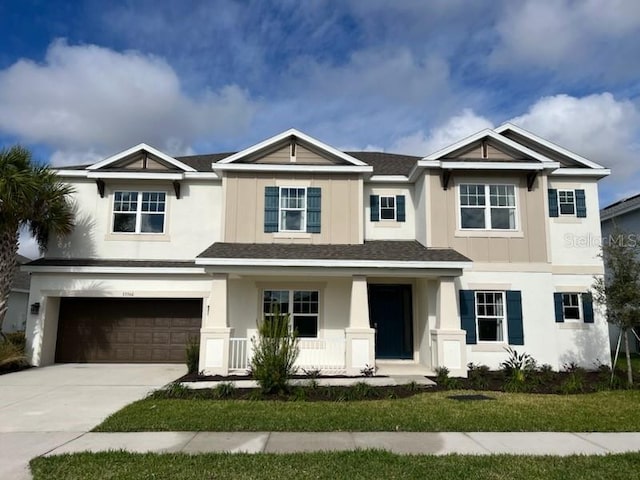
(405, 262)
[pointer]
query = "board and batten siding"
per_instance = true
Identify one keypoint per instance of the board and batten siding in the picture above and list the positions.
(340, 208)
(527, 245)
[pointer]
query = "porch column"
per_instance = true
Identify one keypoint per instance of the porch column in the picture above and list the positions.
(448, 339)
(359, 336)
(215, 332)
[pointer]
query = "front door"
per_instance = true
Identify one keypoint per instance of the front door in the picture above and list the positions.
(390, 313)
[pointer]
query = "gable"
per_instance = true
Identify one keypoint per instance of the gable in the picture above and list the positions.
(294, 152)
(141, 161)
(552, 154)
(486, 150)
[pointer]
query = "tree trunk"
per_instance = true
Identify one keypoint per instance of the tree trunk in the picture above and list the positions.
(628, 355)
(8, 263)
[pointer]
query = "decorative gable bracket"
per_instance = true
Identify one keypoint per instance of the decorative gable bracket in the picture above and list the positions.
(176, 188)
(531, 178)
(446, 177)
(100, 185)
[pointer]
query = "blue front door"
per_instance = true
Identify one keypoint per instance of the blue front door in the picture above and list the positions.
(390, 313)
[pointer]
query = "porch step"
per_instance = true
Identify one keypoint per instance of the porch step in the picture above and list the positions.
(402, 369)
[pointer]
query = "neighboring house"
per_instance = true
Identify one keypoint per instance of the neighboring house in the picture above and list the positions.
(406, 262)
(16, 318)
(623, 215)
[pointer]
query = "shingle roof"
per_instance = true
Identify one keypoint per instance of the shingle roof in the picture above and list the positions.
(383, 163)
(396, 250)
(94, 262)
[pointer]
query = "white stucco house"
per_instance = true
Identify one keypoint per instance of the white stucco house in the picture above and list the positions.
(405, 262)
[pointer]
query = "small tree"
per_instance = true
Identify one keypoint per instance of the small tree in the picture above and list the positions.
(619, 290)
(31, 196)
(274, 353)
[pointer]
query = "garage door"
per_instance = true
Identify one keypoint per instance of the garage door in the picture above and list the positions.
(113, 330)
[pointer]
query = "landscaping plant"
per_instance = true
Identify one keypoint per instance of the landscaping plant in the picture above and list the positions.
(517, 368)
(274, 353)
(192, 354)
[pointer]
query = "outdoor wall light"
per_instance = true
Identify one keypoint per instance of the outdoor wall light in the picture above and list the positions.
(35, 308)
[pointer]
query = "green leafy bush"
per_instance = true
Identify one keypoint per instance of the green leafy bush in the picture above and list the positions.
(224, 390)
(192, 354)
(274, 353)
(478, 376)
(444, 380)
(518, 369)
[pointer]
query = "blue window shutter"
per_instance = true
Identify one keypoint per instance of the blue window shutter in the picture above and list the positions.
(374, 203)
(271, 199)
(514, 317)
(581, 204)
(557, 305)
(553, 202)
(587, 307)
(400, 210)
(468, 315)
(314, 202)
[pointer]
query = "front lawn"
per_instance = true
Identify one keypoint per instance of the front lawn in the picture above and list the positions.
(349, 465)
(609, 411)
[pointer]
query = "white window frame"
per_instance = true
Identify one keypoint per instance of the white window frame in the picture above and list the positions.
(575, 207)
(580, 310)
(502, 318)
(291, 314)
(138, 212)
(395, 208)
(303, 220)
(487, 208)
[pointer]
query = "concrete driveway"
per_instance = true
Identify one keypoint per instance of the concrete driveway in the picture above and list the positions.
(43, 408)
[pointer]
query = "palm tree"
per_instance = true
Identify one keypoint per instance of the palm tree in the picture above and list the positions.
(31, 196)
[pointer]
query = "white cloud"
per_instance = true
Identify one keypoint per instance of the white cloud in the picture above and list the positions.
(91, 101)
(572, 38)
(453, 130)
(598, 127)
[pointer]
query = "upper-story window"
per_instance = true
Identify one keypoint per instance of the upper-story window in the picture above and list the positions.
(139, 212)
(387, 208)
(498, 213)
(567, 203)
(293, 209)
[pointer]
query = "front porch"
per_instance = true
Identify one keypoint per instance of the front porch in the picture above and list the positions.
(353, 331)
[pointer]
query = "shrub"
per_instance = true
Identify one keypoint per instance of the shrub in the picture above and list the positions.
(192, 354)
(12, 352)
(360, 391)
(19, 339)
(574, 383)
(478, 376)
(369, 370)
(275, 352)
(312, 373)
(224, 390)
(173, 390)
(518, 368)
(444, 380)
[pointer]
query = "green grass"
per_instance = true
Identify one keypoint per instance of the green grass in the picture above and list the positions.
(334, 465)
(608, 411)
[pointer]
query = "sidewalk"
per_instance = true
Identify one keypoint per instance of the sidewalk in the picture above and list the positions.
(476, 443)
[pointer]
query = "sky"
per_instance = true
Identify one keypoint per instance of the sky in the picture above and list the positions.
(81, 80)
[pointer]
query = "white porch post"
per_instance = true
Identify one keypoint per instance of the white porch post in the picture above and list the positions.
(448, 339)
(360, 337)
(215, 332)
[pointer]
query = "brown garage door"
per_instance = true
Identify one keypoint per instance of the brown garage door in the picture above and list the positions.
(114, 330)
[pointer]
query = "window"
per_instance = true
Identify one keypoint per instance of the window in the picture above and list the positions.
(293, 209)
(301, 305)
(566, 202)
(498, 214)
(490, 315)
(139, 212)
(571, 306)
(387, 208)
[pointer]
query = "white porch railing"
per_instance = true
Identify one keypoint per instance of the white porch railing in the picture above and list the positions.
(315, 353)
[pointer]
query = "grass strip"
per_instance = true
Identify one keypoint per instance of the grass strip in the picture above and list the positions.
(336, 465)
(610, 411)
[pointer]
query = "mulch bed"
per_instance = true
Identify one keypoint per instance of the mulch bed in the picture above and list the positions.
(196, 377)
